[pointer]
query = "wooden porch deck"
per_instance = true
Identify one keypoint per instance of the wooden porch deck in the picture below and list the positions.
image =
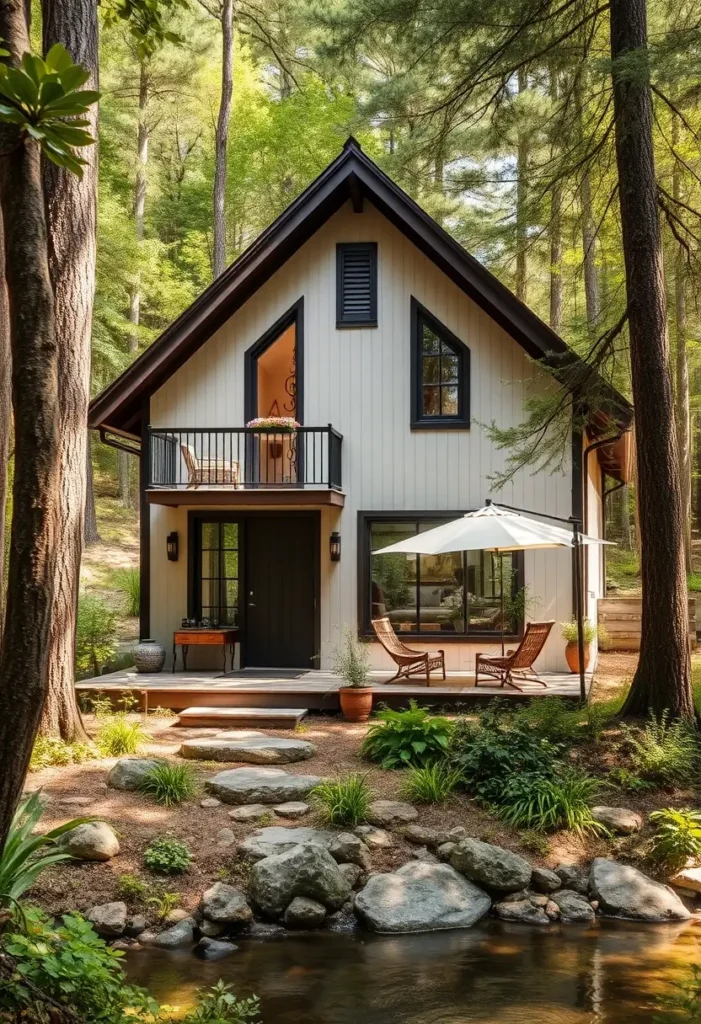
(314, 690)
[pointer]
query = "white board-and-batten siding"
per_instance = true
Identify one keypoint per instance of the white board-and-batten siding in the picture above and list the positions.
(359, 381)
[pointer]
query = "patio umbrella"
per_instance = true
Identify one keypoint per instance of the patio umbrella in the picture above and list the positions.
(498, 529)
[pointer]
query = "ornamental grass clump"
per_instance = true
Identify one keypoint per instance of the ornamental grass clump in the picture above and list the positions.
(431, 784)
(410, 738)
(344, 801)
(547, 805)
(169, 784)
(118, 736)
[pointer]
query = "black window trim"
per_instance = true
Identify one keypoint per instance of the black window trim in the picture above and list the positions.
(365, 630)
(367, 247)
(418, 312)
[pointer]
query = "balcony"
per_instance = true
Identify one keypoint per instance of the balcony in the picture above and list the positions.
(244, 466)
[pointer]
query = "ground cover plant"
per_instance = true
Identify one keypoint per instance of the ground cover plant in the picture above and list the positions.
(52, 751)
(677, 837)
(118, 735)
(411, 737)
(167, 856)
(665, 752)
(344, 801)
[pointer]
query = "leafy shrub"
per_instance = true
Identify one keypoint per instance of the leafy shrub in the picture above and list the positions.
(167, 856)
(118, 736)
(545, 805)
(128, 581)
(562, 721)
(132, 889)
(169, 784)
(219, 1005)
(24, 855)
(570, 632)
(412, 737)
(96, 634)
(51, 750)
(489, 753)
(70, 965)
(431, 784)
(625, 779)
(677, 837)
(665, 752)
(344, 801)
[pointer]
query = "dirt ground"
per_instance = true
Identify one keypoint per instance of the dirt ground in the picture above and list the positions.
(137, 819)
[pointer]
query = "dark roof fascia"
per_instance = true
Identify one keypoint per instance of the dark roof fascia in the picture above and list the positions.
(118, 406)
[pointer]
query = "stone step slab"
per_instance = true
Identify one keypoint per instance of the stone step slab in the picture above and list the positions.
(249, 746)
(253, 718)
(260, 786)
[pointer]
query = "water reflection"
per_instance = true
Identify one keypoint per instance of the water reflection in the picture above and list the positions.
(501, 973)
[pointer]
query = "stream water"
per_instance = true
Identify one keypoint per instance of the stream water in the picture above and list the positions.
(511, 974)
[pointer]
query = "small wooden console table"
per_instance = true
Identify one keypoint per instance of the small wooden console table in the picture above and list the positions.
(183, 638)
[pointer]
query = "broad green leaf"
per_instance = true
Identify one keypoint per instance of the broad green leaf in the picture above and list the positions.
(73, 77)
(58, 58)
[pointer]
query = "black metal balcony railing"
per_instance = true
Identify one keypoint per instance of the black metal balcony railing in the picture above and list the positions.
(244, 457)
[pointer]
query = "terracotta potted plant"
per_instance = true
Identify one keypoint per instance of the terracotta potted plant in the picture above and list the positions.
(569, 633)
(351, 661)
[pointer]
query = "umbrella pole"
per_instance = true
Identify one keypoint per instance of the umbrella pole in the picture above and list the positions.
(578, 607)
(501, 587)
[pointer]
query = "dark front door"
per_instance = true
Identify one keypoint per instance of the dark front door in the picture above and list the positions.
(280, 625)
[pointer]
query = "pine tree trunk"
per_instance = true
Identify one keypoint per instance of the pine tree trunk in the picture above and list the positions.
(90, 531)
(222, 137)
(5, 420)
(23, 662)
(683, 413)
(71, 207)
(588, 225)
(662, 682)
(556, 294)
(521, 204)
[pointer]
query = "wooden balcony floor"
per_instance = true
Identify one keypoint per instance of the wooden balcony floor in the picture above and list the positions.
(315, 690)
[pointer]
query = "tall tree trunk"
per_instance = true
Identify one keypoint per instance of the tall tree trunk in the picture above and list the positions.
(662, 682)
(555, 235)
(683, 413)
(588, 224)
(71, 207)
(222, 137)
(140, 187)
(90, 532)
(23, 662)
(5, 420)
(521, 202)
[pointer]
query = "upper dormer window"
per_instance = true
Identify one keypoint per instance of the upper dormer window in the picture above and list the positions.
(356, 284)
(440, 374)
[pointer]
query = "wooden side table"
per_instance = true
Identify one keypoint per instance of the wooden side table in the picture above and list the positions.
(184, 638)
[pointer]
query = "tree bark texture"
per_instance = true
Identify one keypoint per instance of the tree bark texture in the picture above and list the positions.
(221, 140)
(23, 662)
(588, 226)
(71, 208)
(683, 412)
(90, 531)
(521, 204)
(662, 682)
(5, 422)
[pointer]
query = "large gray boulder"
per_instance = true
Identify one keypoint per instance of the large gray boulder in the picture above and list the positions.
(213, 949)
(305, 913)
(94, 840)
(618, 819)
(245, 745)
(130, 772)
(224, 904)
(491, 866)
(108, 919)
(420, 897)
(349, 849)
(388, 813)
(260, 786)
(625, 892)
(574, 908)
(572, 876)
(307, 871)
(268, 842)
(180, 934)
(521, 912)
(544, 880)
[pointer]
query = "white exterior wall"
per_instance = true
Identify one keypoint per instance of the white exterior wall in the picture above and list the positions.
(359, 381)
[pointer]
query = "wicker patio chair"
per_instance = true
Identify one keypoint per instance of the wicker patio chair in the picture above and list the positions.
(209, 471)
(408, 662)
(520, 661)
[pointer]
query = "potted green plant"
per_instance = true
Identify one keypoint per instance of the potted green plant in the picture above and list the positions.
(274, 425)
(569, 633)
(351, 661)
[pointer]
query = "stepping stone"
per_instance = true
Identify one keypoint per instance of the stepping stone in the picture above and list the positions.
(260, 786)
(244, 745)
(225, 837)
(76, 801)
(618, 819)
(254, 718)
(268, 842)
(210, 801)
(249, 812)
(386, 813)
(623, 891)
(292, 809)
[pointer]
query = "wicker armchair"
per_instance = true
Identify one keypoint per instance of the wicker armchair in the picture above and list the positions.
(520, 661)
(408, 662)
(209, 471)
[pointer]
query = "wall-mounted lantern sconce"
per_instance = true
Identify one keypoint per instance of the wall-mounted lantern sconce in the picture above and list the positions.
(172, 546)
(335, 546)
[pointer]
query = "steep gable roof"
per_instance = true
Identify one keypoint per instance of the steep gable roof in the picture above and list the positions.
(352, 175)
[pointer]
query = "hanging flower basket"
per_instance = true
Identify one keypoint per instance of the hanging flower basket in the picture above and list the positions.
(274, 424)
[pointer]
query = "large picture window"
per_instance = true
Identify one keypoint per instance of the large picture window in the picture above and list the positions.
(440, 374)
(457, 594)
(216, 572)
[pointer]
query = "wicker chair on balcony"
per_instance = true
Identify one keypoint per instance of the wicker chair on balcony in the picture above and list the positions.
(519, 662)
(408, 662)
(209, 471)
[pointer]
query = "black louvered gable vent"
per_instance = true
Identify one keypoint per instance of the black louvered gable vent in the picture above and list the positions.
(356, 284)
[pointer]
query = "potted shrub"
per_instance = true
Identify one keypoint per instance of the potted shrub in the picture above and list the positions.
(274, 425)
(351, 660)
(569, 633)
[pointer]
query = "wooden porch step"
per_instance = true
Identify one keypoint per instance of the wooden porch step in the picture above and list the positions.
(256, 718)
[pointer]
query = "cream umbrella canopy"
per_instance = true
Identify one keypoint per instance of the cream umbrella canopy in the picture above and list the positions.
(498, 529)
